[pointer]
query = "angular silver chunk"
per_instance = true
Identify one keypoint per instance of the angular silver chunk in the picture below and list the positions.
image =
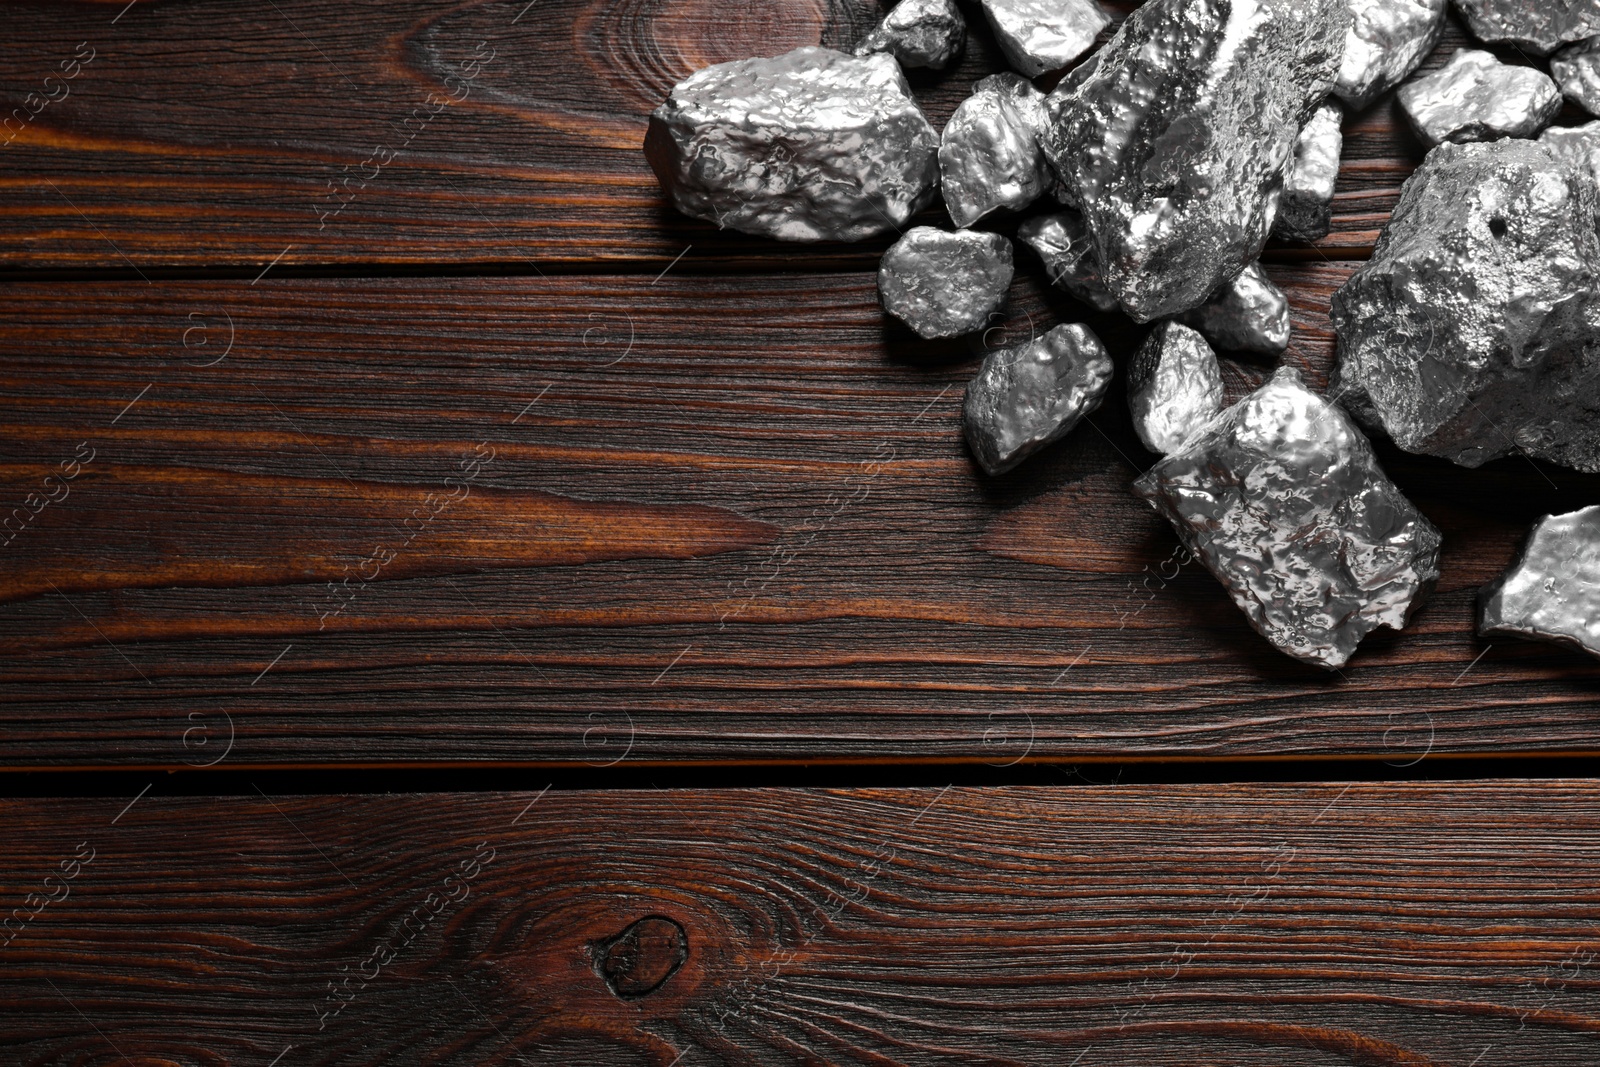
(1281, 498)
(1475, 97)
(1174, 138)
(1306, 208)
(1539, 26)
(1576, 69)
(1551, 592)
(1250, 315)
(812, 145)
(989, 155)
(1024, 398)
(1576, 146)
(1038, 36)
(1174, 387)
(1062, 241)
(918, 33)
(1388, 40)
(1473, 332)
(945, 284)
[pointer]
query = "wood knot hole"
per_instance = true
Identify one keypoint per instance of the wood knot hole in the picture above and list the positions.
(639, 960)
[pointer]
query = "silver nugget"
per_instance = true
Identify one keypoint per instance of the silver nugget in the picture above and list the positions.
(1576, 69)
(1174, 138)
(1281, 498)
(1038, 36)
(1024, 398)
(1551, 592)
(1388, 40)
(989, 155)
(1473, 332)
(1306, 209)
(1063, 243)
(1250, 315)
(1539, 26)
(1475, 97)
(945, 284)
(918, 33)
(1576, 146)
(1174, 387)
(813, 145)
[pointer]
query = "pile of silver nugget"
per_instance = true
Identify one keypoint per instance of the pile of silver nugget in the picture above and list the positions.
(1152, 176)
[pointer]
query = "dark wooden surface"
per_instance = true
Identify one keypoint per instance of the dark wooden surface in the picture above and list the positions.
(351, 426)
(528, 512)
(584, 517)
(1377, 925)
(754, 535)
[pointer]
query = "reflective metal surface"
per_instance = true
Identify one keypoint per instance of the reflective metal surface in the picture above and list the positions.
(1062, 242)
(1250, 315)
(1388, 39)
(1174, 138)
(1044, 35)
(1551, 592)
(1174, 386)
(989, 155)
(812, 145)
(1306, 207)
(1024, 398)
(1281, 498)
(919, 33)
(1475, 97)
(1474, 330)
(1538, 26)
(1576, 146)
(1576, 70)
(945, 284)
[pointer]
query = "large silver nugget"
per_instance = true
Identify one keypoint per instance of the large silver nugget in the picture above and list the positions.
(918, 33)
(1250, 315)
(1576, 69)
(1038, 36)
(1174, 387)
(1388, 40)
(1551, 592)
(1306, 209)
(989, 155)
(1535, 25)
(812, 145)
(945, 284)
(1062, 241)
(1576, 146)
(1281, 498)
(1475, 97)
(1174, 138)
(1473, 332)
(1024, 398)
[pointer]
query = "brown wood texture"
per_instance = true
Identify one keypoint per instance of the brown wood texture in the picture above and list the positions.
(1371, 925)
(491, 134)
(654, 514)
(687, 518)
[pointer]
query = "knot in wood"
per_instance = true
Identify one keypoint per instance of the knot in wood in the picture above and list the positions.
(637, 961)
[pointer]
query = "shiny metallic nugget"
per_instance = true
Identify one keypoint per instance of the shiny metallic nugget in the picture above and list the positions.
(1281, 498)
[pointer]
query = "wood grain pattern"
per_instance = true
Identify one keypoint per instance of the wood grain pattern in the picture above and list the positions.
(1369, 925)
(172, 526)
(490, 135)
(608, 517)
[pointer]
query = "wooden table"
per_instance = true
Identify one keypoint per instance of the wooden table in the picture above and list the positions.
(455, 610)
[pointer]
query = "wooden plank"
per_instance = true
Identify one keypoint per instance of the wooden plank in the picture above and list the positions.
(1379, 925)
(607, 517)
(492, 134)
